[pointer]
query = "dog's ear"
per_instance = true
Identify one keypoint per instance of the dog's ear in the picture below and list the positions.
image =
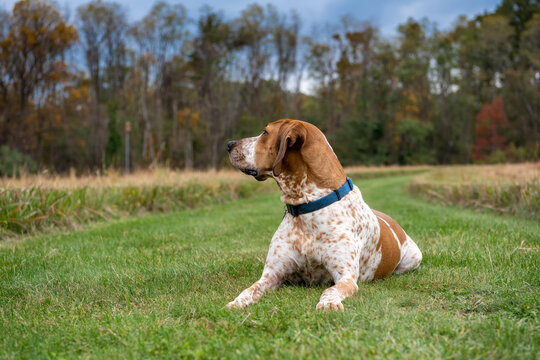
(289, 135)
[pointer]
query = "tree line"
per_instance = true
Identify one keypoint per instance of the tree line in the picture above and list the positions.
(70, 82)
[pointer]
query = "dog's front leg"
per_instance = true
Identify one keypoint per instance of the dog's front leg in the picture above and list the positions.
(332, 297)
(279, 264)
(345, 275)
(268, 281)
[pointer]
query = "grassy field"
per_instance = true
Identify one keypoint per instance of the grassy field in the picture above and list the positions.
(502, 188)
(40, 203)
(156, 286)
(37, 203)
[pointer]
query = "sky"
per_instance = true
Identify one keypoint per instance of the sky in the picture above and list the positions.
(385, 14)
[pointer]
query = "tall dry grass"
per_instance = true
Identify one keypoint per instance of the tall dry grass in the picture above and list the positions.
(34, 203)
(505, 188)
(367, 172)
(160, 176)
(39, 202)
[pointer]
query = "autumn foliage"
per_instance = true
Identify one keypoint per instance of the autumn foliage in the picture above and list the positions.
(34, 77)
(490, 126)
(188, 83)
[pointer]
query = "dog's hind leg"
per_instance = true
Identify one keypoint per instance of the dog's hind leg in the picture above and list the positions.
(411, 256)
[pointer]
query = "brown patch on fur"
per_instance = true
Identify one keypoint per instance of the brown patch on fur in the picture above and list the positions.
(296, 148)
(390, 251)
(395, 226)
(346, 288)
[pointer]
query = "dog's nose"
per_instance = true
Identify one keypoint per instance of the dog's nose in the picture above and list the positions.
(230, 144)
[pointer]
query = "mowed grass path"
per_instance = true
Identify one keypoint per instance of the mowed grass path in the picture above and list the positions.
(156, 287)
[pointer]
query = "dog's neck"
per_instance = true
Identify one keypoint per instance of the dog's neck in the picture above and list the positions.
(297, 190)
(300, 187)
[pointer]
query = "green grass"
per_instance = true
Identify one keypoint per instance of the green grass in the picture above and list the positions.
(32, 209)
(156, 287)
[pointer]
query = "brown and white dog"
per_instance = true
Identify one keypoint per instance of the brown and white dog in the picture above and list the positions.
(342, 243)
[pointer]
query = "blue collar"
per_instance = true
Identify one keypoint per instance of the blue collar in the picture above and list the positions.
(323, 202)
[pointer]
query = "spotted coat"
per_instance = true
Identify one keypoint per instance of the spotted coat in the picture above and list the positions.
(339, 244)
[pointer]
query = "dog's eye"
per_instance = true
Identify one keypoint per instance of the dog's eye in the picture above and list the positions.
(264, 132)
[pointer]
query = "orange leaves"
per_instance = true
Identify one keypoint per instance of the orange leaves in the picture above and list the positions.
(79, 93)
(188, 117)
(410, 106)
(33, 46)
(37, 27)
(65, 34)
(490, 124)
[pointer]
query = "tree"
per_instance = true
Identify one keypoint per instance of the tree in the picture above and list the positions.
(323, 69)
(490, 125)
(216, 100)
(5, 76)
(518, 13)
(158, 35)
(114, 140)
(409, 99)
(103, 38)
(252, 35)
(32, 58)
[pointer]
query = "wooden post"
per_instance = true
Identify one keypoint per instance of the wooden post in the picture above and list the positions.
(127, 130)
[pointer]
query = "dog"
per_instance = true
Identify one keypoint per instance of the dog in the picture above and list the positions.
(328, 233)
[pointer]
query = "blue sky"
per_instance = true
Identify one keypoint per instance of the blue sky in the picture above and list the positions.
(385, 14)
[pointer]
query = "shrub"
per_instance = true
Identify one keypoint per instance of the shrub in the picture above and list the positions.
(13, 162)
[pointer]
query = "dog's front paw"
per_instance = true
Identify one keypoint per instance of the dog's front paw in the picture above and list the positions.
(333, 305)
(236, 304)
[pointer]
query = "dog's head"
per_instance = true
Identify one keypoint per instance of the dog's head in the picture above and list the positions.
(285, 147)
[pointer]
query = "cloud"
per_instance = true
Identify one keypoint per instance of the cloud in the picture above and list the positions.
(385, 14)
(444, 13)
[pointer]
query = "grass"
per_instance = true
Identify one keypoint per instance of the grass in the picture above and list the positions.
(42, 202)
(370, 172)
(506, 188)
(36, 203)
(156, 286)
(140, 178)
